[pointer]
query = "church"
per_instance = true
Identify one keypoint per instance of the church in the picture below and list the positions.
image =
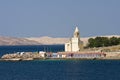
(73, 49)
(74, 44)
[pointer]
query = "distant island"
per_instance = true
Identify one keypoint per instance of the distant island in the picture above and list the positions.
(45, 40)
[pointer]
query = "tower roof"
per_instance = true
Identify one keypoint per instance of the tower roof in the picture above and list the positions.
(76, 33)
(76, 29)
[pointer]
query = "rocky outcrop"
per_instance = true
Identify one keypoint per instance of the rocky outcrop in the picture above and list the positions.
(23, 56)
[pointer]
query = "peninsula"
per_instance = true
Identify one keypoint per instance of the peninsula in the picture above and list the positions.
(75, 48)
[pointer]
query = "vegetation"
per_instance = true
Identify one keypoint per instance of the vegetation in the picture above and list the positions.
(103, 42)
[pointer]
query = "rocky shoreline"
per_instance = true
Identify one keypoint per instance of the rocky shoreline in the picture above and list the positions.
(31, 59)
(21, 56)
(28, 56)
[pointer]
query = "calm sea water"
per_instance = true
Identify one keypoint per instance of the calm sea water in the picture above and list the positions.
(34, 48)
(61, 70)
(56, 69)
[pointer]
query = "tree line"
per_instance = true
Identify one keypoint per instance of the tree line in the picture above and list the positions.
(103, 42)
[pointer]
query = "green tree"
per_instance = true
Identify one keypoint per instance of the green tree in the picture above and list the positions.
(91, 42)
(98, 42)
(114, 41)
(103, 41)
(119, 40)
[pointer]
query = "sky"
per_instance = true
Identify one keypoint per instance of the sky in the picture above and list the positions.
(58, 18)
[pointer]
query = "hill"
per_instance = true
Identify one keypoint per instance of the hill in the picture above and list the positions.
(40, 40)
(16, 41)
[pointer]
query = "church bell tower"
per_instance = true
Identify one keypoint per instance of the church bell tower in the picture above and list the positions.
(74, 44)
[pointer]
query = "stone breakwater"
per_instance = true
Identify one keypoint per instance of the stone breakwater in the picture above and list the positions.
(23, 56)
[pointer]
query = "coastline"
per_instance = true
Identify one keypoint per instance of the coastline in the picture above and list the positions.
(53, 59)
(30, 56)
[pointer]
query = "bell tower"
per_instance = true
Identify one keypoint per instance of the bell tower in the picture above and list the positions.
(76, 33)
(74, 45)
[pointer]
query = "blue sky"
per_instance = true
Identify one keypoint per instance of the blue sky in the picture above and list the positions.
(58, 18)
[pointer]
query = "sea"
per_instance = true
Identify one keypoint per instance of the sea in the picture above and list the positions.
(30, 48)
(56, 69)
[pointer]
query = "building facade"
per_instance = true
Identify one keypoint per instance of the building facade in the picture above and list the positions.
(74, 44)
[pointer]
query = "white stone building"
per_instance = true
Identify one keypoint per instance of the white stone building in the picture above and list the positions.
(74, 45)
(42, 54)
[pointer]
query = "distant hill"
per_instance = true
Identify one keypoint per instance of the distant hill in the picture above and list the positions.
(16, 41)
(50, 40)
(40, 40)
